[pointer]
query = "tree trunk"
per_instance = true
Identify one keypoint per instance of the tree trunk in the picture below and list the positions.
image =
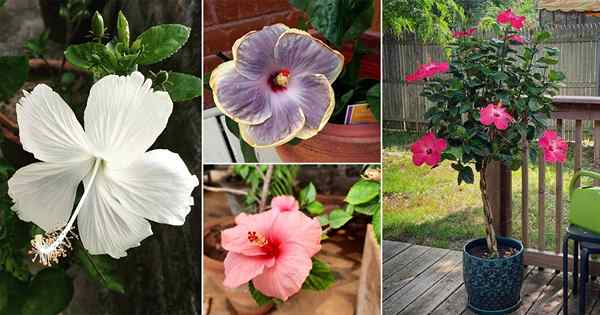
(487, 210)
(162, 276)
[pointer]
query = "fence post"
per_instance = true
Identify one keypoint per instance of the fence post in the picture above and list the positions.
(499, 185)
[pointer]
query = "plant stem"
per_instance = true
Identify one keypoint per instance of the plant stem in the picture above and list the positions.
(226, 190)
(490, 238)
(265, 189)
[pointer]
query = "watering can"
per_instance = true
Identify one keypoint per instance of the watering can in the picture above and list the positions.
(585, 203)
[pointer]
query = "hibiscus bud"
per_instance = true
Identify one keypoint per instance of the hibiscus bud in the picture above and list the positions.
(123, 29)
(98, 25)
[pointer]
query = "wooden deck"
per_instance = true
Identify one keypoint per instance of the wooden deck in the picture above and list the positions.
(424, 280)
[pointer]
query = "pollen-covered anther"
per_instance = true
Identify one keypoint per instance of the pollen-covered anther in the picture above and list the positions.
(282, 78)
(257, 239)
(46, 252)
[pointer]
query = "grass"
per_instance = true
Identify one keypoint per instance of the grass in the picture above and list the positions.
(426, 206)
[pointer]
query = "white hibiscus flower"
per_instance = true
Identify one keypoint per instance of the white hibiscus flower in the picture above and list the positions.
(124, 184)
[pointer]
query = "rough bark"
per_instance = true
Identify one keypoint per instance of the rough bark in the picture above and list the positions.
(487, 210)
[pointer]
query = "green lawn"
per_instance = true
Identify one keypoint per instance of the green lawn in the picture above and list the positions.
(426, 206)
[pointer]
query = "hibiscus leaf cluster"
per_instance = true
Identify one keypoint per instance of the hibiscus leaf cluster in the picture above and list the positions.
(121, 55)
(495, 93)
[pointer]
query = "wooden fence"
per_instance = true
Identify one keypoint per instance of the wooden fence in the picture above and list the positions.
(403, 107)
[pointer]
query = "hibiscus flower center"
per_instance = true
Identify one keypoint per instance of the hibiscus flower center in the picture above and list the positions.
(429, 151)
(270, 248)
(279, 80)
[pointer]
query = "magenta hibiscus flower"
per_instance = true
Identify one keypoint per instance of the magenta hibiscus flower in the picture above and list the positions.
(468, 33)
(508, 17)
(517, 39)
(554, 147)
(495, 114)
(428, 150)
(278, 85)
(427, 71)
(273, 249)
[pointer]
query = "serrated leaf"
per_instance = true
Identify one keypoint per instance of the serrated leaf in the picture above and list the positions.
(308, 194)
(183, 87)
(339, 217)
(162, 41)
(15, 70)
(362, 192)
(100, 268)
(50, 292)
(320, 277)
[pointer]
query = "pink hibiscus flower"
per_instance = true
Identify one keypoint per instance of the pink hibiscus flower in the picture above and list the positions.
(273, 249)
(428, 150)
(495, 114)
(517, 39)
(467, 33)
(554, 147)
(508, 17)
(427, 71)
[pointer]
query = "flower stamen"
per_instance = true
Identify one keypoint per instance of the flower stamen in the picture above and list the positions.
(49, 248)
(257, 239)
(279, 80)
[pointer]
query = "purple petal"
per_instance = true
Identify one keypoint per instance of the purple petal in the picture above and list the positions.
(287, 120)
(304, 54)
(253, 53)
(316, 99)
(245, 101)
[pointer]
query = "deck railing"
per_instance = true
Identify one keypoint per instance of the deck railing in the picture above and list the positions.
(566, 108)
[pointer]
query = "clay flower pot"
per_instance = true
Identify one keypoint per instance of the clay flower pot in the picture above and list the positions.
(240, 298)
(337, 143)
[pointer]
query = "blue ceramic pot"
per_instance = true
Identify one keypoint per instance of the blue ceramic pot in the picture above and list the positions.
(493, 285)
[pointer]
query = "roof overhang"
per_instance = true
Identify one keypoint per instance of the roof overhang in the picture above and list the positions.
(584, 6)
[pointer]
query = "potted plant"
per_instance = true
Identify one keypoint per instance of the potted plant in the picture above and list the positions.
(317, 116)
(494, 94)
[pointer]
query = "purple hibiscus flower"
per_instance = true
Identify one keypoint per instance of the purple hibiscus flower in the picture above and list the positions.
(278, 85)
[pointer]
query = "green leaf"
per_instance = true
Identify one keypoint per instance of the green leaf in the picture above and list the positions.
(323, 219)
(301, 5)
(369, 209)
(339, 217)
(374, 100)
(248, 152)
(183, 87)
(555, 75)
(466, 175)
(233, 127)
(15, 70)
(362, 192)
(50, 293)
(377, 224)
(258, 296)
(320, 277)
(100, 268)
(89, 55)
(315, 208)
(541, 37)
(13, 293)
(162, 41)
(308, 194)
(361, 22)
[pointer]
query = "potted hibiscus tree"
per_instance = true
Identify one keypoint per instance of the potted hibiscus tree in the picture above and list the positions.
(306, 93)
(493, 95)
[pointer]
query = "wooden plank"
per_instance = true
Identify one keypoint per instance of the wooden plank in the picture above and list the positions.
(391, 249)
(533, 287)
(456, 303)
(525, 194)
(578, 147)
(596, 136)
(399, 261)
(553, 261)
(400, 278)
(550, 299)
(541, 203)
(559, 197)
(407, 294)
(438, 293)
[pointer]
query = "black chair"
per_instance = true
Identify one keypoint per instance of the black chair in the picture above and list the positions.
(588, 243)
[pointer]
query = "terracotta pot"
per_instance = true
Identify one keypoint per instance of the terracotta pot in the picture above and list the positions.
(369, 294)
(337, 144)
(240, 298)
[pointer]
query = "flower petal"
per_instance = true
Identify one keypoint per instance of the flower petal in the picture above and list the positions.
(236, 239)
(44, 193)
(253, 52)
(287, 120)
(105, 226)
(294, 227)
(157, 187)
(288, 274)
(243, 100)
(315, 97)
(48, 127)
(124, 116)
(240, 269)
(303, 54)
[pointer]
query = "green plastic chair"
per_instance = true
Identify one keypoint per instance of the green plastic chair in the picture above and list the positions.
(585, 203)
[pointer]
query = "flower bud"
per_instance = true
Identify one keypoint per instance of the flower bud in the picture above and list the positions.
(123, 29)
(98, 25)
